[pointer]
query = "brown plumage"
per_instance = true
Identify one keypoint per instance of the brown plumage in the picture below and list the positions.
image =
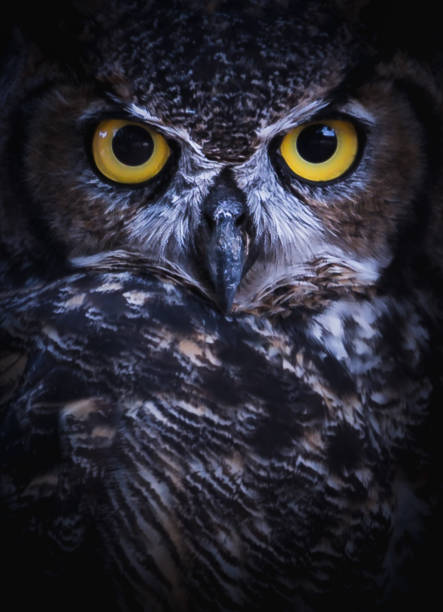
(219, 385)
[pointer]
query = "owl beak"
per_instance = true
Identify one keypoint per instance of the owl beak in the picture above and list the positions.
(224, 240)
(226, 253)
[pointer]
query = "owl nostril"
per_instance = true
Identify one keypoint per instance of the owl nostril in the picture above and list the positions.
(224, 199)
(225, 212)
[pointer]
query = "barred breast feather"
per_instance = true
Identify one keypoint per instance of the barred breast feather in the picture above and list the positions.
(159, 456)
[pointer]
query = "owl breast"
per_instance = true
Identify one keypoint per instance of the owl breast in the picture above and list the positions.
(212, 455)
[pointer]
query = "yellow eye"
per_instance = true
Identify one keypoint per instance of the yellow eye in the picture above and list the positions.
(128, 152)
(321, 150)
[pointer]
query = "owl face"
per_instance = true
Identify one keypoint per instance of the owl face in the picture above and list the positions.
(257, 165)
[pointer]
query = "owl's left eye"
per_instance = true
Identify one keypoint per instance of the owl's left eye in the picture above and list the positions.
(128, 152)
(321, 151)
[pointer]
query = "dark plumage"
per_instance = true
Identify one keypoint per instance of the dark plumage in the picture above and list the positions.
(219, 386)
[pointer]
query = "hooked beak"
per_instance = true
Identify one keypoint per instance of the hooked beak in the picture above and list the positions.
(226, 254)
(225, 240)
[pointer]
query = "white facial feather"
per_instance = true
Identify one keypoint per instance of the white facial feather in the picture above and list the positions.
(288, 235)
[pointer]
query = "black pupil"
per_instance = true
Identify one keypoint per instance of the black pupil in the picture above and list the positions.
(317, 143)
(132, 145)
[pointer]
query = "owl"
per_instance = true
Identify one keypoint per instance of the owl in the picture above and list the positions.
(220, 307)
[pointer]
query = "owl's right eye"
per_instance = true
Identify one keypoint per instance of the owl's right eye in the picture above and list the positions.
(128, 152)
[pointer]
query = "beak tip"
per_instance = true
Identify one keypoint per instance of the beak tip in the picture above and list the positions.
(225, 299)
(226, 267)
(225, 252)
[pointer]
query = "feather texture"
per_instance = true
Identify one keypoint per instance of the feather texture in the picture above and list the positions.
(158, 453)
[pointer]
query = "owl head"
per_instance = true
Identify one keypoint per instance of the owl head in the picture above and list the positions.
(265, 153)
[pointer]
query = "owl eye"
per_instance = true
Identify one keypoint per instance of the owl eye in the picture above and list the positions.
(128, 152)
(322, 150)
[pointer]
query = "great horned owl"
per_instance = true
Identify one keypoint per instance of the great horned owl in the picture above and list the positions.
(221, 263)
